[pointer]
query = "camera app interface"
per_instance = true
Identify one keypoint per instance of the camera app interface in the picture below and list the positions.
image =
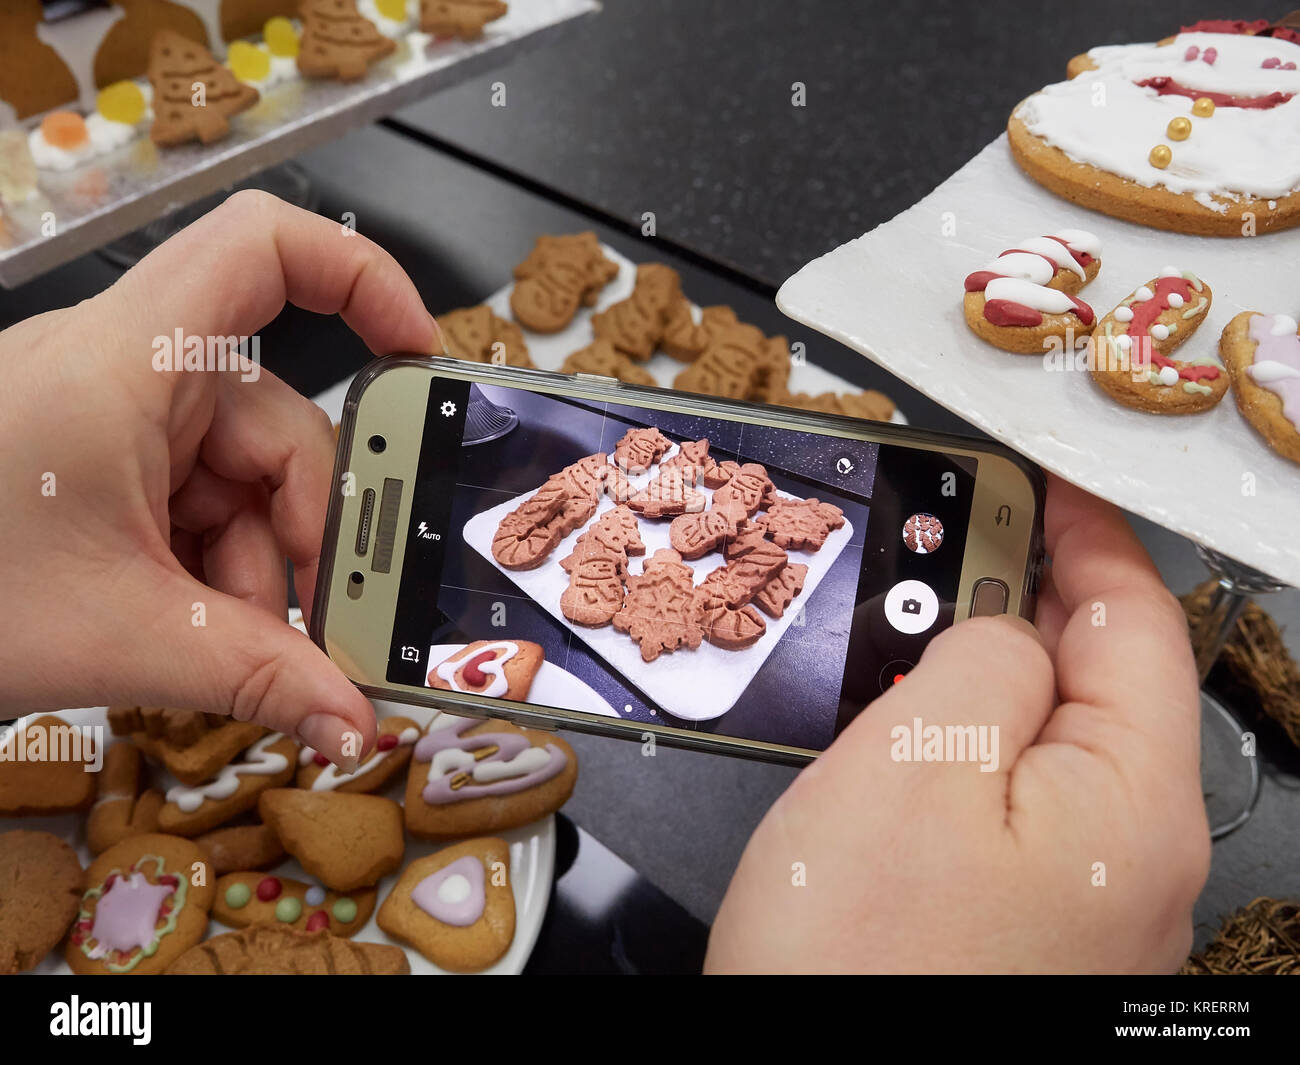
(667, 568)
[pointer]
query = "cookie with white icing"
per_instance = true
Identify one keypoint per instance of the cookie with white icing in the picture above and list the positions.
(193, 810)
(1195, 133)
(456, 907)
(1262, 354)
(499, 669)
(395, 736)
(1024, 300)
(469, 777)
(1132, 357)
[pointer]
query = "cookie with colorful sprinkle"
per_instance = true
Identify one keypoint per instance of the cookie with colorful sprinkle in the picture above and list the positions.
(1023, 301)
(248, 898)
(1131, 351)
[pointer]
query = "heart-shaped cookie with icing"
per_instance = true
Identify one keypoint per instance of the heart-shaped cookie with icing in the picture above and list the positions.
(1023, 301)
(1132, 351)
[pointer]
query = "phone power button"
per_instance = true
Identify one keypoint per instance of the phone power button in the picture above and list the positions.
(989, 598)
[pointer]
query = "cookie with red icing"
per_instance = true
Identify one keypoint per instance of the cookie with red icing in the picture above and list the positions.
(499, 669)
(1262, 356)
(146, 903)
(1024, 300)
(1131, 353)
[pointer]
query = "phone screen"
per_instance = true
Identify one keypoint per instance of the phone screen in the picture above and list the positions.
(814, 586)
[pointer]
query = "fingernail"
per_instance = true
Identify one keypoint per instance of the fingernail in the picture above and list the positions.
(439, 345)
(334, 737)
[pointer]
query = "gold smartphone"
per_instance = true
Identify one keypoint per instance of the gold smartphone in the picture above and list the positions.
(427, 594)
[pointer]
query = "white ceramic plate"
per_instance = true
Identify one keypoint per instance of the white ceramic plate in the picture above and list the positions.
(532, 864)
(552, 686)
(895, 295)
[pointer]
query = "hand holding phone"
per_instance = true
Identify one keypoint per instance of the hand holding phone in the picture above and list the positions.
(1083, 851)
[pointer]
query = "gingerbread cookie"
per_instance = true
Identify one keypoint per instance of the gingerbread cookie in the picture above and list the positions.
(120, 809)
(46, 767)
(1262, 356)
(146, 903)
(658, 611)
(635, 325)
(456, 907)
(749, 486)
(683, 337)
(459, 18)
(177, 67)
(276, 950)
(560, 275)
(667, 495)
(248, 898)
(801, 525)
(868, 405)
(40, 893)
(693, 459)
(177, 728)
(639, 449)
(478, 334)
(241, 847)
(499, 669)
(595, 591)
(522, 542)
(1131, 355)
(775, 596)
(727, 623)
(1193, 134)
(395, 736)
(738, 362)
(470, 776)
(602, 359)
(191, 811)
(1024, 302)
(345, 841)
(753, 560)
(338, 41)
(720, 474)
(615, 534)
(695, 535)
(191, 763)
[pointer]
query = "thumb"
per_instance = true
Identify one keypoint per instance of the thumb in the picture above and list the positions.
(205, 650)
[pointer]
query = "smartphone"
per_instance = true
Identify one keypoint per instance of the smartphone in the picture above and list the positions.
(417, 602)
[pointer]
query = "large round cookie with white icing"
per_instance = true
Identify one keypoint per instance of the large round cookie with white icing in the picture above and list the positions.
(1195, 134)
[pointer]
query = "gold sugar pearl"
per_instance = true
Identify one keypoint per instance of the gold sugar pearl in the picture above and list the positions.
(1160, 156)
(1179, 129)
(1203, 107)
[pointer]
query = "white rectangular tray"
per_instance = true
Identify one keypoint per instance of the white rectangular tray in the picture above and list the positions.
(895, 295)
(695, 685)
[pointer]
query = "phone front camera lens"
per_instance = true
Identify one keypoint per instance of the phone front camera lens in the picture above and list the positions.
(377, 444)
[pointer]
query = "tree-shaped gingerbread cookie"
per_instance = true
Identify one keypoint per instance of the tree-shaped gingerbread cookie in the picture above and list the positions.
(338, 41)
(193, 95)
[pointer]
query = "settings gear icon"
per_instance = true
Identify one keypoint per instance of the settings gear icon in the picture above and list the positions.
(448, 408)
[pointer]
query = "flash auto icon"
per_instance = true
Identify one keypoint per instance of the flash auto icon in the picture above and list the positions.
(448, 409)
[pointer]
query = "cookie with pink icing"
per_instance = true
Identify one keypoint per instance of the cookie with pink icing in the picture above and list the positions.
(1024, 300)
(499, 669)
(146, 903)
(1262, 354)
(456, 907)
(1136, 353)
(469, 777)
(395, 737)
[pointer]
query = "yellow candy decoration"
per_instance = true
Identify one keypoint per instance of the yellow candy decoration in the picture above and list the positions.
(393, 9)
(1179, 129)
(1161, 156)
(280, 37)
(1203, 107)
(121, 102)
(248, 62)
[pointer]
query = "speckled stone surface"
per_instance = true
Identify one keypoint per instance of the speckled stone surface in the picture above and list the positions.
(683, 108)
